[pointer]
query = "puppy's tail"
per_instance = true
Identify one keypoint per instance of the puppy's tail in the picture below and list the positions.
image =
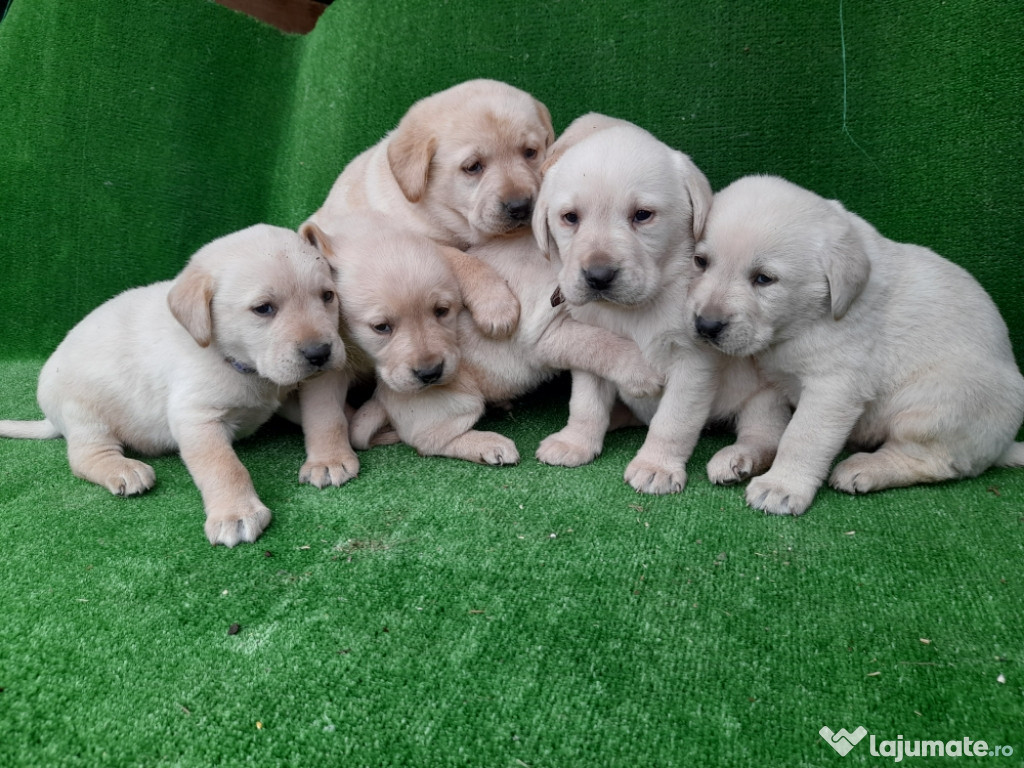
(1012, 457)
(29, 430)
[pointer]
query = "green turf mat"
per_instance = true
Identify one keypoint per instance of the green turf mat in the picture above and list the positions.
(435, 613)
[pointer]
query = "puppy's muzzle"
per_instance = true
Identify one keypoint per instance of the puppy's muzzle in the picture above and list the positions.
(600, 278)
(317, 355)
(429, 375)
(709, 328)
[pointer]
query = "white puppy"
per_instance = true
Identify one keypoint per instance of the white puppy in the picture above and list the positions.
(462, 167)
(436, 371)
(883, 346)
(619, 211)
(191, 365)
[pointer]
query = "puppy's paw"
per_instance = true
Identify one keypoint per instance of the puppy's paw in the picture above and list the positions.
(861, 473)
(656, 477)
(776, 497)
(498, 451)
(733, 464)
(641, 381)
(244, 521)
(495, 310)
(565, 450)
(129, 477)
(336, 470)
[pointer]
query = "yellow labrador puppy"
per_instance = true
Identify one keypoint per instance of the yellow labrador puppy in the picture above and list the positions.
(462, 167)
(619, 211)
(883, 346)
(436, 371)
(191, 365)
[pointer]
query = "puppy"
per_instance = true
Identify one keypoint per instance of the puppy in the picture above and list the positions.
(619, 212)
(191, 365)
(462, 168)
(886, 347)
(436, 371)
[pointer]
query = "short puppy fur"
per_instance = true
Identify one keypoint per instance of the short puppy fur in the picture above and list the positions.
(436, 371)
(879, 345)
(191, 365)
(461, 168)
(619, 213)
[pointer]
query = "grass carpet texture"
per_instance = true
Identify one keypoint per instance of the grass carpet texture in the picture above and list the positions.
(437, 613)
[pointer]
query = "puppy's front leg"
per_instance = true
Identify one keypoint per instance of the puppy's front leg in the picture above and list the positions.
(582, 438)
(330, 459)
(576, 346)
(491, 303)
(234, 512)
(659, 467)
(823, 420)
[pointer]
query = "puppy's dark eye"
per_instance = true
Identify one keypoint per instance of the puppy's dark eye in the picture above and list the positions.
(265, 310)
(570, 217)
(642, 215)
(473, 168)
(440, 312)
(762, 279)
(384, 329)
(700, 262)
(328, 297)
(529, 153)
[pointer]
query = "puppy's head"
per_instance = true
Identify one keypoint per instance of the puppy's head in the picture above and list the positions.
(400, 300)
(620, 211)
(265, 300)
(471, 157)
(774, 259)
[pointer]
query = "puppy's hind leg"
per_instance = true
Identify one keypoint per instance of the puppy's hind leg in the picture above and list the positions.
(894, 465)
(96, 454)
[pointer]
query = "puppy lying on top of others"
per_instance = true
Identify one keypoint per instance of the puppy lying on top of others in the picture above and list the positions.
(461, 168)
(191, 365)
(436, 371)
(619, 213)
(882, 346)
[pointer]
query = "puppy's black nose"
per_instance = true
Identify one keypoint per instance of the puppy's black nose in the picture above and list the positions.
(317, 354)
(429, 375)
(599, 278)
(709, 329)
(520, 209)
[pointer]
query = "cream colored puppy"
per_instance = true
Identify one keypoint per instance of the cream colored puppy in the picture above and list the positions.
(191, 365)
(436, 371)
(883, 346)
(462, 167)
(619, 212)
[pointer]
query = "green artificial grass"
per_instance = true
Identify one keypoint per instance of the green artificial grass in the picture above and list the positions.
(438, 613)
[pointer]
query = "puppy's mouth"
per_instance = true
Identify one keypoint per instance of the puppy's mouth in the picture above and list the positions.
(721, 335)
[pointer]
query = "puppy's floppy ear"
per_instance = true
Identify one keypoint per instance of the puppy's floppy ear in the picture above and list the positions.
(191, 300)
(544, 115)
(315, 236)
(699, 189)
(541, 230)
(411, 147)
(845, 261)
